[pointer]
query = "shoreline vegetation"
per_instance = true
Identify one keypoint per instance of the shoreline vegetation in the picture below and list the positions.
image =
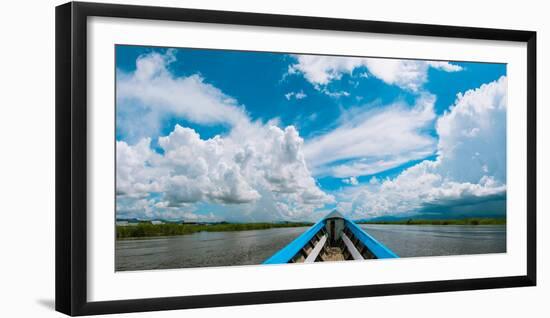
(466, 221)
(144, 229)
(147, 229)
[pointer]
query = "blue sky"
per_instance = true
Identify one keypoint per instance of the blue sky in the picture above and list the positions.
(250, 136)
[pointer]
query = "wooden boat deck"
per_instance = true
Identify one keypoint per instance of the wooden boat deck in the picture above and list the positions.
(333, 254)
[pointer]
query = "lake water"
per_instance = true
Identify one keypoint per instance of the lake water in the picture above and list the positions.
(203, 249)
(254, 247)
(438, 240)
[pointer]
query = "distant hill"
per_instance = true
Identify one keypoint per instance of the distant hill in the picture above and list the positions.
(432, 216)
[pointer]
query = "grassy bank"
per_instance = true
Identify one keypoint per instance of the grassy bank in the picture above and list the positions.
(152, 230)
(468, 221)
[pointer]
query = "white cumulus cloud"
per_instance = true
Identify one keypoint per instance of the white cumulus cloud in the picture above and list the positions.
(469, 169)
(256, 170)
(151, 93)
(351, 181)
(408, 74)
(296, 95)
(265, 168)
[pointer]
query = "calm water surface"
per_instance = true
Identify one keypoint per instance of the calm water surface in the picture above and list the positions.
(254, 247)
(203, 249)
(438, 240)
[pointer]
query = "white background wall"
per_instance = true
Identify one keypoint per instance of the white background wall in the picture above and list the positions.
(27, 158)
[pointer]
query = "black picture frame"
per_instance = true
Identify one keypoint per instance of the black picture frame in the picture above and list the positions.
(71, 157)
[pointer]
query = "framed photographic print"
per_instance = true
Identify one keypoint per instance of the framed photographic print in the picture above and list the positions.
(209, 158)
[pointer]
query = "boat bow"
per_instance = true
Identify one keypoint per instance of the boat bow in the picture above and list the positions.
(333, 238)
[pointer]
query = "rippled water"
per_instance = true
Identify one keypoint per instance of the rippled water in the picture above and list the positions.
(203, 249)
(254, 247)
(438, 240)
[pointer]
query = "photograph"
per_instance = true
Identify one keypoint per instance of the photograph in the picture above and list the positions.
(228, 157)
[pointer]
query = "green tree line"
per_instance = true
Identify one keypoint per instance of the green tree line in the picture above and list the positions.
(172, 229)
(467, 221)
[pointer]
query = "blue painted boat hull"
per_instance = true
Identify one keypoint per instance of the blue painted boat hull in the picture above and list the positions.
(335, 237)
